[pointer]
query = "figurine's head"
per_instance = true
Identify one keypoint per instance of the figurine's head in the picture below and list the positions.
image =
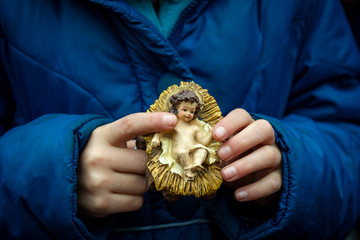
(186, 111)
(185, 100)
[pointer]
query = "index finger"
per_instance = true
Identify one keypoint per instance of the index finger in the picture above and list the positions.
(235, 121)
(128, 127)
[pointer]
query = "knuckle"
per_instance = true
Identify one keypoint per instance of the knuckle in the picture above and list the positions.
(241, 112)
(265, 127)
(100, 205)
(258, 190)
(98, 131)
(247, 165)
(274, 185)
(97, 182)
(268, 187)
(127, 123)
(92, 158)
(239, 140)
(271, 155)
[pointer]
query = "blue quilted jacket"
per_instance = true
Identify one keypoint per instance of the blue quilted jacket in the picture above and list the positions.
(69, 66)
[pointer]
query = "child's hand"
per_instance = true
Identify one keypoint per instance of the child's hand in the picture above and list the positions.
(251, 157)
(111, 175)
(155, 142)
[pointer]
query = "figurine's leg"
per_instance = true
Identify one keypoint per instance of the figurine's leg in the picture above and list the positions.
(199, 157)
(184, 159)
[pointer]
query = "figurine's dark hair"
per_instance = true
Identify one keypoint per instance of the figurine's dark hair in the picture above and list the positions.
(185, 96)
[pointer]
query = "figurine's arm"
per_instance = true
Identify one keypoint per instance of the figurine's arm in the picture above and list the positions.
(155, 142)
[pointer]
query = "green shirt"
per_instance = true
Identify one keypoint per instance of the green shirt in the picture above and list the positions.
(165, 17)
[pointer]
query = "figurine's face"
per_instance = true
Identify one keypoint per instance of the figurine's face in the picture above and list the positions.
(186, 111)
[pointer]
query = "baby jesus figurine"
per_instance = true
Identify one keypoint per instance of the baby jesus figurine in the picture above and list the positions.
(184, 161)
(191, 136)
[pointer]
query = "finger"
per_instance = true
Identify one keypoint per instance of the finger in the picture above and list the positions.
(126, 203)
(106, 180)
(131, 144)
(115, 159)
(267, 156)
(266, 186)
(127, 160)
(258, 133)
(110, 203)
(132, 184)
(137, 124)
(235, 121)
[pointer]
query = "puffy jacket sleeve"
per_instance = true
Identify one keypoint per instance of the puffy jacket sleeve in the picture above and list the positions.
(38, 177)
(320, 141)
(38, 162)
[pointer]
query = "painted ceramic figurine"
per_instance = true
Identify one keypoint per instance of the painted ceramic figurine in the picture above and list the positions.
(187, 144)
(184, 161)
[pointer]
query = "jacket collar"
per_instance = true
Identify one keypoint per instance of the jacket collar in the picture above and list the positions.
(151, 37)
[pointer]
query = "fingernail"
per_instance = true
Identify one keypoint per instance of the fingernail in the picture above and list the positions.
(224, 152)
(220, 132)
(229, 173)
(169, 119)
(241, 195)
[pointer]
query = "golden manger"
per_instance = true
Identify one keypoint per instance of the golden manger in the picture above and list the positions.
(184, 161)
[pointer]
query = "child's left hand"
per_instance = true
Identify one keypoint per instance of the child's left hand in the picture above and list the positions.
(251, 157)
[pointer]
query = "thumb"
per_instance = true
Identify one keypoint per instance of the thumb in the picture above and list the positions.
(128, 127)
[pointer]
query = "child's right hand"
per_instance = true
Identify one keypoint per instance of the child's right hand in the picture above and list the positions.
(111, 175)
(155, 142)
